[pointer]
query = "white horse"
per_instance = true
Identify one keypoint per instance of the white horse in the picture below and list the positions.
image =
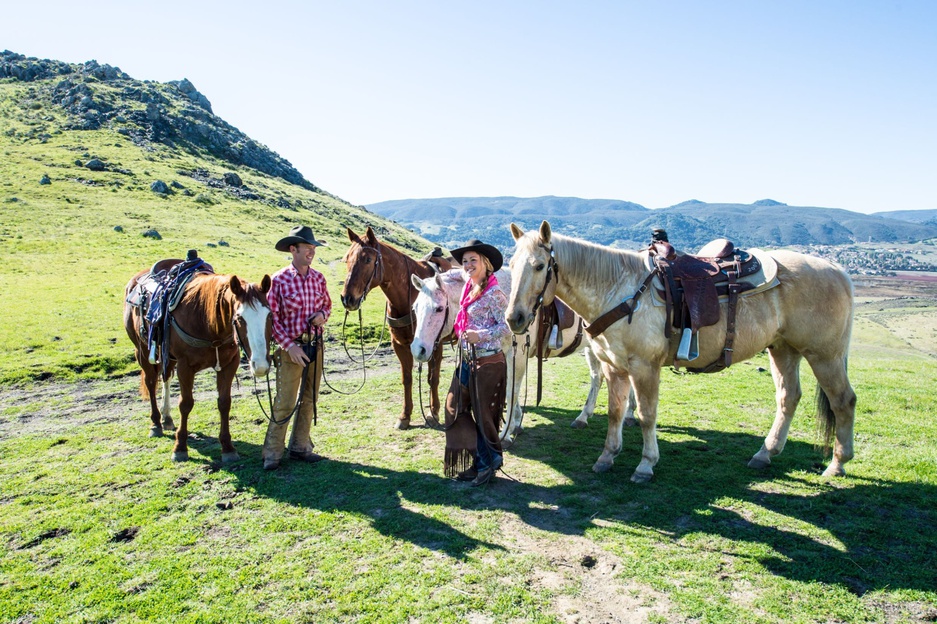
(436, 306)
(808, 315)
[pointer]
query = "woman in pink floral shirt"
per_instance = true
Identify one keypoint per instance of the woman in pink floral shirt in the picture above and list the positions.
(476, 396)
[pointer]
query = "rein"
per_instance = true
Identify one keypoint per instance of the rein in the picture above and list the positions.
(419, 373)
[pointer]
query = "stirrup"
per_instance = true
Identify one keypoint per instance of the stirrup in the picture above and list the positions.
(152, 358)
(689, 345)
(556, 339)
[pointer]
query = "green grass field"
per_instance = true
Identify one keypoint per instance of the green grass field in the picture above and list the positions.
(97, 524)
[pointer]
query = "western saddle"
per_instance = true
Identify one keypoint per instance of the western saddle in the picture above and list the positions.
(692, 286)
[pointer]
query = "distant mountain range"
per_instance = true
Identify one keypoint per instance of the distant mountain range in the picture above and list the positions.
(765, 223)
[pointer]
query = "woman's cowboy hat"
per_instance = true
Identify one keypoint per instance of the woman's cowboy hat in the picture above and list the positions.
(299, 234)
(489, 251)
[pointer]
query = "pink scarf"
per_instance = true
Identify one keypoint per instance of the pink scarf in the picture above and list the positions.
(461, 319)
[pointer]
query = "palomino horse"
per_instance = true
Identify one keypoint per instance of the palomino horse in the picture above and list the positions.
(215, 314)
(436, 307)
(370, 264)
(808, 315)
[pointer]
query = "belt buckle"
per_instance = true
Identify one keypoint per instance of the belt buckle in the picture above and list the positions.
(304, 338)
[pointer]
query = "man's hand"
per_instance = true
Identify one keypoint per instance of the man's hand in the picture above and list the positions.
(318, 319)
(297, 356)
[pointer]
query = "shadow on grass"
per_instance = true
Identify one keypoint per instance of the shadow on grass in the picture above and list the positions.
(862, 535)
(878, 534)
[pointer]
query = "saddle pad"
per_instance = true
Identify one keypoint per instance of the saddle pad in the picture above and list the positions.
(142, 290)
(763, 280)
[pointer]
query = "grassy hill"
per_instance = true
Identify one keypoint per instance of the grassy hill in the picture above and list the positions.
(71, 236)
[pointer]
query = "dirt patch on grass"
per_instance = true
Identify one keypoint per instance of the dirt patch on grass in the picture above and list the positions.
(589, 585)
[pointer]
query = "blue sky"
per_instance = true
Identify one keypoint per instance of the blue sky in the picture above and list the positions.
(820, 103)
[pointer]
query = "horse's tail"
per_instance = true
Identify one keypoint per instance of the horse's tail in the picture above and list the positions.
(144, 393)
(826, 418)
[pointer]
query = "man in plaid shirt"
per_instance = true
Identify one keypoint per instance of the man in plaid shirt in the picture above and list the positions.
(299, 307)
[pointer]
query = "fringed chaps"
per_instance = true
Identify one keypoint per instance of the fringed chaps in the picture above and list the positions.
(461, 434)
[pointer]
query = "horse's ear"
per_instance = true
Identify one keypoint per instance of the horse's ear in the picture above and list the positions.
(265, 284)
(235, 285)
(416, 281)
(439, 282)
(369, 234)
(516, 232)
(545, 232)
(352, 236)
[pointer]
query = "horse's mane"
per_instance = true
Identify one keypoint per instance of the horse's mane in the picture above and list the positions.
(594, 265)
(217, 300)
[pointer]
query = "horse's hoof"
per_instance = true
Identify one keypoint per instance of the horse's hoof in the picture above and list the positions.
(228, 458)
(631, 421)
(758, 463)
(641, 477)
(156, 432)
(432, 422)
(601, 466)
(834, 470)
(508, 442)
(579, 424)
(402, 425)
(168, 424)
(180, 456)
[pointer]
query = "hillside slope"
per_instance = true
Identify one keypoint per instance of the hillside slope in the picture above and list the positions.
(92, 160)
(765, 223)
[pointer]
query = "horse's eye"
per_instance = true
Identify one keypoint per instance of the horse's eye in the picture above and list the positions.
(439, 308)
(541, 266)
(367, 260)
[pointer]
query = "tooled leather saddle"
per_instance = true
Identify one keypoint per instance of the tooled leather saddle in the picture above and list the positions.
(692, 287)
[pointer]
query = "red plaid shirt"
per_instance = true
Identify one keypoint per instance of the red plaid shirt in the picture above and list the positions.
(294, 299)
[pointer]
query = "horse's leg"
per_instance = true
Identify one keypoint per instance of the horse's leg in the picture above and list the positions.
(596, 376)
(223, 381)
(186, 377)
(618, 386)
(837, 406)
(646, 382)
(148, 379)
(785, 368)
(516, 371)
(167, 419)
(406, 373)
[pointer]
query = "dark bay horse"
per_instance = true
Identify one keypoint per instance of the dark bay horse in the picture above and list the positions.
(373, 264)
(215, 315)
(808, 315)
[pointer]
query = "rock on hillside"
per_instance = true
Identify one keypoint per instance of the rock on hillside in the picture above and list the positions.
(94, 96)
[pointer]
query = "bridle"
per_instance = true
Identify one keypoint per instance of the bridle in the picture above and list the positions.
(436, 343)
(552, 268)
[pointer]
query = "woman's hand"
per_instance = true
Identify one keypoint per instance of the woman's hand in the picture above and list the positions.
(471, 336)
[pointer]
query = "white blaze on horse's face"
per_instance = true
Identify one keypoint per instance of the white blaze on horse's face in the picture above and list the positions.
(430, 309)
(530, 266)
(254, 315)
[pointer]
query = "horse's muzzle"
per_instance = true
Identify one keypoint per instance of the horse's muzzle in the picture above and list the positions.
(519, 321)
(351, 303)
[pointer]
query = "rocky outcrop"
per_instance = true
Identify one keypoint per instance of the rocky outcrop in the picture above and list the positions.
(175, 113)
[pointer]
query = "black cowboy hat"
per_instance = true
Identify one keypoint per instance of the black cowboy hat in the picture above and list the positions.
(489, 251)
(299, 234)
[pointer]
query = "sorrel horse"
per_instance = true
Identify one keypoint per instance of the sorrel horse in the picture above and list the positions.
(215, 315)
(808, 315)
(371, 264)
(436, 307)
